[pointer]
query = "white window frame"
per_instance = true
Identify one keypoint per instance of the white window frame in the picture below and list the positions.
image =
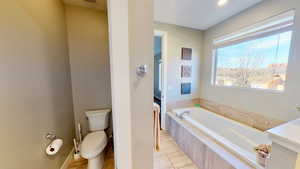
(275, 25)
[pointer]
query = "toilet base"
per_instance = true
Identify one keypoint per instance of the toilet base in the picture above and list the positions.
(97, 162)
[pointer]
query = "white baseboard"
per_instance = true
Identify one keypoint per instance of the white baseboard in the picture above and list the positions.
(68, 160)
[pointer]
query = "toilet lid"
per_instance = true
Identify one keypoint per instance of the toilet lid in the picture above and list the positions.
(93, 144)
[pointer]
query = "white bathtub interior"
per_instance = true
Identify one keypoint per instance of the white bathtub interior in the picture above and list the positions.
(239, 138)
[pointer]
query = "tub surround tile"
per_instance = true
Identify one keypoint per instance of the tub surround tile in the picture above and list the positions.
(202, 150)
(197, 150)
(254, 120)
(213, 161)
(182, 104)
(251, 119)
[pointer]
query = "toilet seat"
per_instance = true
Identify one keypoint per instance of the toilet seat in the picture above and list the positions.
(93, 144)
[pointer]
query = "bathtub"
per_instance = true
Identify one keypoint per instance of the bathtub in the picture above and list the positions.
(237, 138)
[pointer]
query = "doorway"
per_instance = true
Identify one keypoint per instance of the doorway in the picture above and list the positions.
(160, 73)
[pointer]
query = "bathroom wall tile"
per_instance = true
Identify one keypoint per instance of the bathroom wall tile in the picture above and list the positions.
(182, 104)
(254, 120)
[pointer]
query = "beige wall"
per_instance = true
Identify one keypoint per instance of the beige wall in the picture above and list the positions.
(89, 59)
(35, 89)
(178, 37)
(131, 45)
(277, 105)
(141, 89)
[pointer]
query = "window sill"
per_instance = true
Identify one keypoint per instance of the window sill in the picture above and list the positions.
(249, 89)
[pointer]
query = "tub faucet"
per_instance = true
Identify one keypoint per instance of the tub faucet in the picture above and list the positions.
(183, 113)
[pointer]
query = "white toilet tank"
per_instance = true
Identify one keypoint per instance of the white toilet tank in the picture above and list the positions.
(98, 119)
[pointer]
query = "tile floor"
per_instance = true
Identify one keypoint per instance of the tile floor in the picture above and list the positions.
(169, 157)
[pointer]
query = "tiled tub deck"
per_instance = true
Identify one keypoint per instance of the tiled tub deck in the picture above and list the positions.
(201, 149)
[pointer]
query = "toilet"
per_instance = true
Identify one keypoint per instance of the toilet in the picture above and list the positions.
(95, 142)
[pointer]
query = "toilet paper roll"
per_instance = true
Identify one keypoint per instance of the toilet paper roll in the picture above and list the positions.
(54, 147)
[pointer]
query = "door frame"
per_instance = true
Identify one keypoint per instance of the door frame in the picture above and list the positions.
(118, 24)
(164, 36)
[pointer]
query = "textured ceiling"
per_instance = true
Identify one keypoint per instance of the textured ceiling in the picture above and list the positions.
(100, 4)
(198, 14)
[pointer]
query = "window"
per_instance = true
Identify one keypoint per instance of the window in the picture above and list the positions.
(255, 58)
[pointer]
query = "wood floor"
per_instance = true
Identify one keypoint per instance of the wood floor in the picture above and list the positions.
(82, 163)
(169, 157)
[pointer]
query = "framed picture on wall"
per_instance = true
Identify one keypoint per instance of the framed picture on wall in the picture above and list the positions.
(186, 53)
(186, 71)
(186, 88)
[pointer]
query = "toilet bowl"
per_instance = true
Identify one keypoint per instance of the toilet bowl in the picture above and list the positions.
(95, 142)
(92, 149)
